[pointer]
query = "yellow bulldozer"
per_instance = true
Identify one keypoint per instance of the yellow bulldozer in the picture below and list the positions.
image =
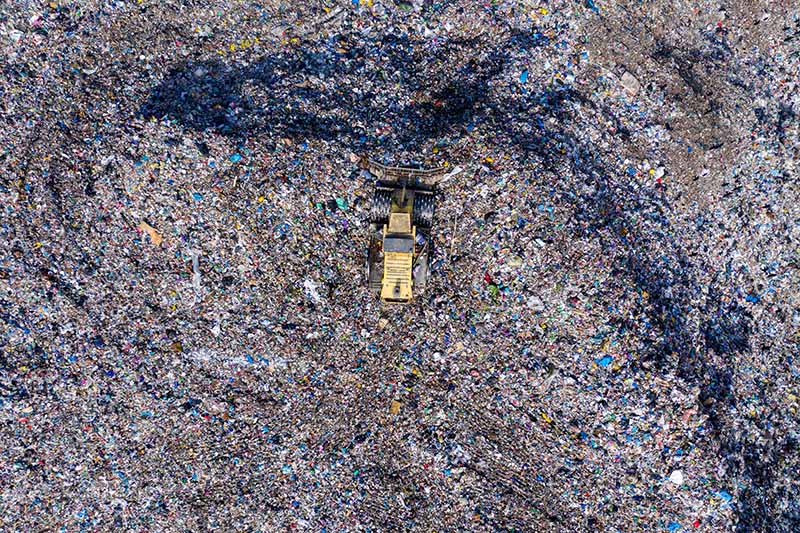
(400, 240)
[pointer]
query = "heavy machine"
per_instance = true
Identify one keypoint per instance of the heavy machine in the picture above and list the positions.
(400, 240)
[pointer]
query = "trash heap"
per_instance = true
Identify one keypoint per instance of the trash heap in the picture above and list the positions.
(609, 338)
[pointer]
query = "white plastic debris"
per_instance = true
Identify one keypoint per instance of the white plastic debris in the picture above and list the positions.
(310, 290)
(676, 477)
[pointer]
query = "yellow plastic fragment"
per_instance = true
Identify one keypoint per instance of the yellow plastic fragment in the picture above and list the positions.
(155, 236)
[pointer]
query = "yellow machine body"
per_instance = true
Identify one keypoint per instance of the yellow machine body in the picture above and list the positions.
(398, 257)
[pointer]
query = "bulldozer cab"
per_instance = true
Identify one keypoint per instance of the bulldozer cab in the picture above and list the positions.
(400, 241)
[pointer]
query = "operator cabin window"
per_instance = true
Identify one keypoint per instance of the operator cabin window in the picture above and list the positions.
(401, 244)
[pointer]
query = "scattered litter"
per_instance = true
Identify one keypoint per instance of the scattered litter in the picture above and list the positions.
(310, 289)
(630, 83)
(155, 236)
(604, 361)
(608, 337)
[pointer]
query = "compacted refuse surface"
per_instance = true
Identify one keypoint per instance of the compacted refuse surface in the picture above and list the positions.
(610, 336)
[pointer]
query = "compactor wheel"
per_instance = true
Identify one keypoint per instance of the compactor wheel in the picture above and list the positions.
(423, 210)
(381, 204)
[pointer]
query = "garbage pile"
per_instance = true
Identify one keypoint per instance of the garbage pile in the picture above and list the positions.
(609, 337)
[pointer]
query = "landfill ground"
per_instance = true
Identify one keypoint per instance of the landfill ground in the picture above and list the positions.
(610, 339)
